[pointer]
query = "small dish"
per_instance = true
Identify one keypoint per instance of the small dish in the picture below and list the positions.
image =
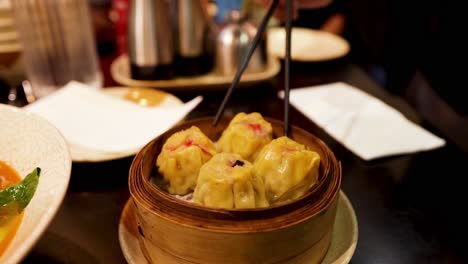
(28, 141)
(307, 45)
(82, 154)
(342, 246)
(120, 72)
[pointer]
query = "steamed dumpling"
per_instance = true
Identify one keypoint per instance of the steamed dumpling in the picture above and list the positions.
(287, 169)
(181, 157)
(226, 181)
(245, 135)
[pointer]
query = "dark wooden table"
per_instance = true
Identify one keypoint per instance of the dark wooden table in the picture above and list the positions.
(409, 207)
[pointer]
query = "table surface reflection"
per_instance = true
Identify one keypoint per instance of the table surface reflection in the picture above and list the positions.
(408, 207)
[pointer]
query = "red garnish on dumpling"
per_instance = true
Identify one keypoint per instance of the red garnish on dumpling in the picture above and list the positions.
(255, 127)
(188, 142)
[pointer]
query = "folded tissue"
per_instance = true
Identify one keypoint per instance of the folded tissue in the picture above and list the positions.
(362, 123)
(92, 119)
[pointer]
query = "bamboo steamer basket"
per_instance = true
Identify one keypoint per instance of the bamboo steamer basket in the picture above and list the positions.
(173, 231)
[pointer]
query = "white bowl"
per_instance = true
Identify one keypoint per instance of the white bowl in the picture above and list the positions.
(26, 142)
(307, 45)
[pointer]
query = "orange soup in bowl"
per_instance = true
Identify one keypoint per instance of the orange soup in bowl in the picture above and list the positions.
(8, 224)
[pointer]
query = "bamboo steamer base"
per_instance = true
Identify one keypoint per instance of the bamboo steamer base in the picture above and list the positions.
(343, 241)
(313, 255)
(284, 246)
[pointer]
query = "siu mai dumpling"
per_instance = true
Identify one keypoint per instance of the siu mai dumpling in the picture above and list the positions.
(181, 157)
(226, 181)
(287, 169)
(245, 135)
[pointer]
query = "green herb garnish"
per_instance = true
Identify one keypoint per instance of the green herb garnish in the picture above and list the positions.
(15, 198)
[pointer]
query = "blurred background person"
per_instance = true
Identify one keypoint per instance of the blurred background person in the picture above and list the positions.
(326, 15)
(410, 48)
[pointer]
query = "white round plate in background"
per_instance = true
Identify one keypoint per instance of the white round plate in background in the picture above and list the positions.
(82, 154)
(307, 45)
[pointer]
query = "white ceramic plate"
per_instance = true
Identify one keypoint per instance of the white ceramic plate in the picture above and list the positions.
(82, 154)
(342, 247)
(28, 141)
(307, 44)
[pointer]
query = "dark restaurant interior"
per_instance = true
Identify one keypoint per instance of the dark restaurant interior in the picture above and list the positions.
(342, 71)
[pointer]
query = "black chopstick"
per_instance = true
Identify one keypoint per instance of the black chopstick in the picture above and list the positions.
(287, 60)
(245, 61)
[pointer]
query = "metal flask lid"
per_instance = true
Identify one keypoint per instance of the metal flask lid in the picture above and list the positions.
(150, 41)
(232, 42)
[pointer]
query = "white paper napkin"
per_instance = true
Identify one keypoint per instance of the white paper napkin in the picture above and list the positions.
(362, 123)
(89, 118)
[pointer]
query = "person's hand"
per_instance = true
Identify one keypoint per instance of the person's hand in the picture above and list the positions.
(298, 4)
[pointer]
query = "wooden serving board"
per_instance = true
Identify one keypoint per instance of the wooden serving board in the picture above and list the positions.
(120, 71)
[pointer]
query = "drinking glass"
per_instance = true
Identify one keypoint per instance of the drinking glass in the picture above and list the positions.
(58, 43)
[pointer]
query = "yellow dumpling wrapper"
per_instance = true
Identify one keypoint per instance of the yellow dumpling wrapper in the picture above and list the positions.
(181, 157)
(226, 181)
(287, 169)
(246, 135)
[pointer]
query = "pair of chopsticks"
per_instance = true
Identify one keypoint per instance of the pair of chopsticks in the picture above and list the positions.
(248, 55)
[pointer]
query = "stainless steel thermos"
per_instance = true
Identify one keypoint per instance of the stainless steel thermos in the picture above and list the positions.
(150, 39)
(193, 37)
